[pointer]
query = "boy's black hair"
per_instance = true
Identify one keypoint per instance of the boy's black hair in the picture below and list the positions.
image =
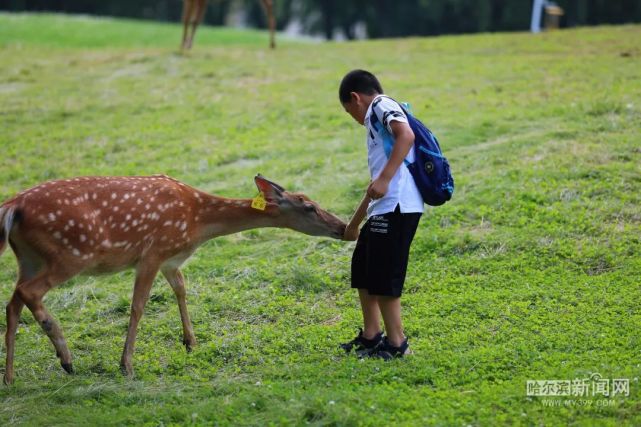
(359, 81)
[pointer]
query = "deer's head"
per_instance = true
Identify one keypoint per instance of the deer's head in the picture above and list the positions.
(299, 212)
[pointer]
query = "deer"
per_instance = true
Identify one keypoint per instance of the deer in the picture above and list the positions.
(101, 225)
(194, 11)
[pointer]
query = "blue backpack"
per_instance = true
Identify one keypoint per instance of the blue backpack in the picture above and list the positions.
(430, 169)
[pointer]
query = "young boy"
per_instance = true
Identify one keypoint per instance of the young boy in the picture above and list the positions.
(393, 206)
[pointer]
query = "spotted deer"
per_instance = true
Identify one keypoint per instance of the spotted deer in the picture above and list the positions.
(94, 225)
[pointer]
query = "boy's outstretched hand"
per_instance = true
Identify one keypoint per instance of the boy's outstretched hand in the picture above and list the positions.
(351, 231)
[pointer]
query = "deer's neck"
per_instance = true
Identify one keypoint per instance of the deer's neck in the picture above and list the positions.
(220, 216)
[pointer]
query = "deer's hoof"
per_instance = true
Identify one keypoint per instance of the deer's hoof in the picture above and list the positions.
(8, 379)
(127, 371)
(68, 367)
(189, 344)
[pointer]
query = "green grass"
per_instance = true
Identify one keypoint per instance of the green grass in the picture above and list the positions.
(531, 272)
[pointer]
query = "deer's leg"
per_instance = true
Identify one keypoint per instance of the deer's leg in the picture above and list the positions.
(177, 282)
(198, 14)
(31, 293)
(188, 7)
(144, 279)
(13, 316)
(268, 5)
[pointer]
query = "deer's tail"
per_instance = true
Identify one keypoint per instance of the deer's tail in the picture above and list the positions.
(7, 215)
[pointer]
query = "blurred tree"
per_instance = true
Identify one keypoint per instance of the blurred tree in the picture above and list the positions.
(382, 18)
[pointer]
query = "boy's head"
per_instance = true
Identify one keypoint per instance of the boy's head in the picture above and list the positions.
(356, 92)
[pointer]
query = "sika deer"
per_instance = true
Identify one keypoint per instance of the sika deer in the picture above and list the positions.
(95, 225)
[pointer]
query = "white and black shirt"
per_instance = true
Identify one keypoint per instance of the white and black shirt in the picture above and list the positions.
(402, 190)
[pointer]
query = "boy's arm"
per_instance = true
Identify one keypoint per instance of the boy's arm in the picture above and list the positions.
(351, 231)
(403, 141)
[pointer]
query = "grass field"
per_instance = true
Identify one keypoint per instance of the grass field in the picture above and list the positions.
(530, 273)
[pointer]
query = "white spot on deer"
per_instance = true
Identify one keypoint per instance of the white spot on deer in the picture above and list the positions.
(59, 201)
(147, 206)
(139, 201)
(163, 238)
(183, 226)
(52, 216)
(134, 222)
(105, 243)
(104, 203)
(66, 201)
(115, 208)
(42, 219)
(94, 196)
(126, 196)
(82, 237)
(65, 240)
(128, 217)
(71, 223)
(167, 223)
(113, 195)
(57, 235)
(86, 196)
(76, 252)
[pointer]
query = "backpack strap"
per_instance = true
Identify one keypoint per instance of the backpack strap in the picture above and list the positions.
(388, 139)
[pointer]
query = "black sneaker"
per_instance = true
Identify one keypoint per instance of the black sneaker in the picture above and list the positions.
(387, 351)
(363, 346)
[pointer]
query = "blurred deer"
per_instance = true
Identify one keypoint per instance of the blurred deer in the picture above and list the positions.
(194, 10)
(96, 225)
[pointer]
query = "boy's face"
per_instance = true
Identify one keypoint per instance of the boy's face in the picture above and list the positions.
(356, 108)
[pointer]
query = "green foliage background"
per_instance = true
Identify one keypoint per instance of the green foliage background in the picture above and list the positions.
(530, 272)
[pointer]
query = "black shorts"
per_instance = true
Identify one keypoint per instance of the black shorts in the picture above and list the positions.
(380, 258)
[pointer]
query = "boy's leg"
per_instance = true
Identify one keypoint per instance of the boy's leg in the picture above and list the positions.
(391, 310)
(391, 240)
(371, 314)
(372, 336)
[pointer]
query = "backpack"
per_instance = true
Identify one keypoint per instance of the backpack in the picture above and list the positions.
(430, 169)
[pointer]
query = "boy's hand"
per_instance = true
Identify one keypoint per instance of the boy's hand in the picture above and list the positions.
(378, 188)
(351, 232)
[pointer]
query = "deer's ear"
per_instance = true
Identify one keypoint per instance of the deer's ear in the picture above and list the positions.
(271, 191)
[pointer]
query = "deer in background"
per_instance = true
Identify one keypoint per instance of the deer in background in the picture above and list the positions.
(194, 11)
(97, 225)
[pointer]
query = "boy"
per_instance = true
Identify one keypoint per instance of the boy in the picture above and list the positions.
(393, 206)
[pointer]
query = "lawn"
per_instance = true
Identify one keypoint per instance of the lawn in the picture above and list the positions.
(531, 272)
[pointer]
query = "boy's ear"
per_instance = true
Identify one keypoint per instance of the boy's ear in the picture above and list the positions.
(271, 191)
(354, 97)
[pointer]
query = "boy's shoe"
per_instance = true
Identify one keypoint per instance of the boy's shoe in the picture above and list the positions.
(363, 346)
(387, 351)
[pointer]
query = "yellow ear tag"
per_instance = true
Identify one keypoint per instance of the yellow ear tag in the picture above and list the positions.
(259, 202)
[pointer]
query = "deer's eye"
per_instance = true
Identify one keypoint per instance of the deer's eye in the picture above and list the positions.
(309, 207)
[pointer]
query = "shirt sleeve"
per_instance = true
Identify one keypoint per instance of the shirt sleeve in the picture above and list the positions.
(387, 110)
